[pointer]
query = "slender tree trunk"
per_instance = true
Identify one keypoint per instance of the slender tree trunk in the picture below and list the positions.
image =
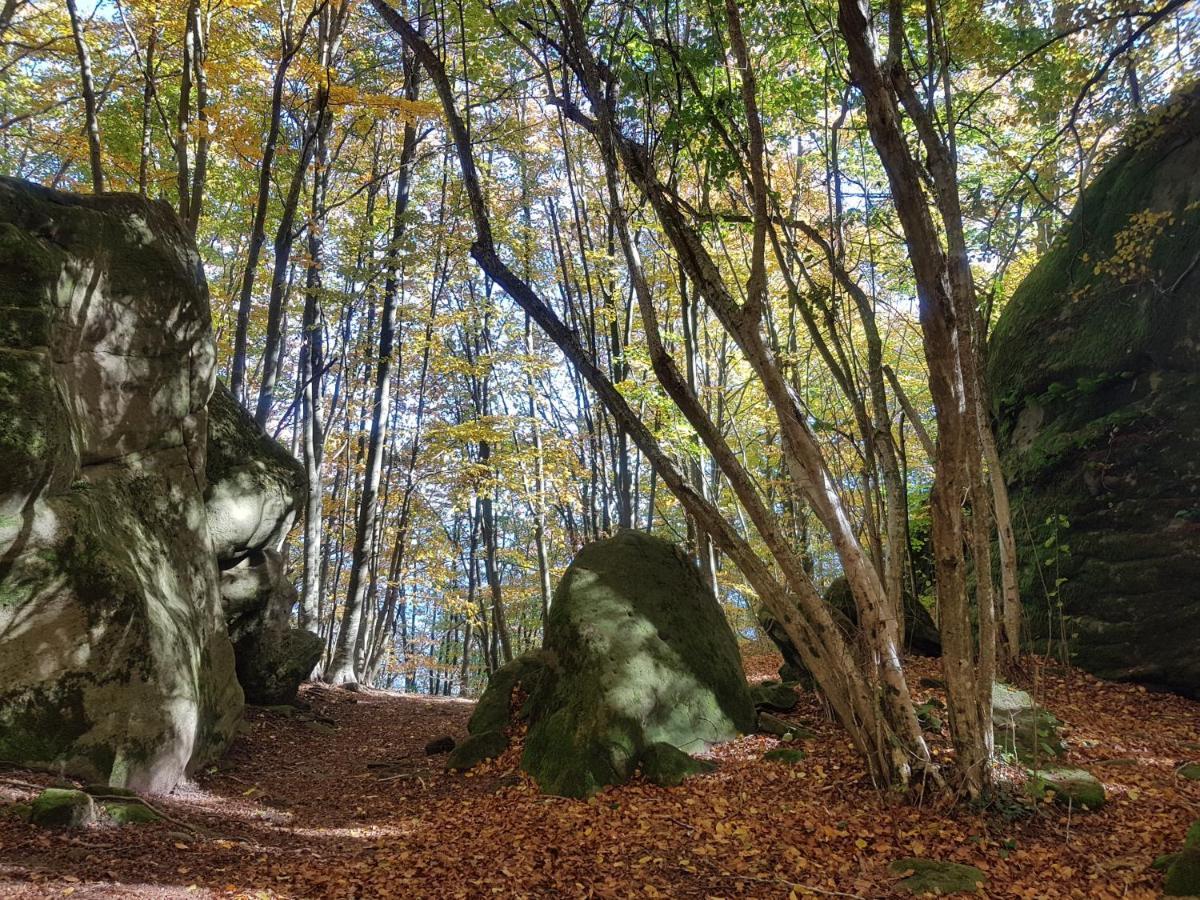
(88, 88)
(342, 668)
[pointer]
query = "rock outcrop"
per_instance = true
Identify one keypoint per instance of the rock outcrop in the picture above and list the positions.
(115, 664)
(637, 655)
(1095, 375)
(255, 490)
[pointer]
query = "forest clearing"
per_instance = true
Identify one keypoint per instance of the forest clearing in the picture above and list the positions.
(298, 809)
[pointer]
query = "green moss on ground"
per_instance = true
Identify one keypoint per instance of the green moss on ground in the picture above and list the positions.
(668, 766)
(789, 755)
(929, 876)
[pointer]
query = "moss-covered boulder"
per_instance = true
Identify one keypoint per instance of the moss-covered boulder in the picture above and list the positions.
(115, 664)
(931, 876)
(637, 652)
(1023, 729)
(1074, 788)
(62, 808)
(1095, 373)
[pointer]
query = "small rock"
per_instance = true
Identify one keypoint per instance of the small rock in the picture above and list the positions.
(790, 755)
(60, 808)
(1072, 787)
(437, 746)
(1022, 728)
(929, 876)
(771, 724)
(776, 697)
(1191, 771)
(131, 813)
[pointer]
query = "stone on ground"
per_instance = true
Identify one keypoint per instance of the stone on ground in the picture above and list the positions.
(930, 876)
(62, 808)
(775, 697)
(1191, 771)
(1072, 787)
(1022, 728)
(637, 652)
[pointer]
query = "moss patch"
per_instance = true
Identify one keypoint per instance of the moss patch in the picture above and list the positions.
(668, 766)
(929, 876)
(61, 808)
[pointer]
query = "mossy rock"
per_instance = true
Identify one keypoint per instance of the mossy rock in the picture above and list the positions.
(1023, 729)
(769, 724)
(108, 790)
(475, 749)
(62, 808)
(116, 665)
(788, 755)
(776, 697)
(131, 813)
(1191, 771)
(1183, 875)
(930, 876)
(667, 766)
(1072, 787)
(1094, 366)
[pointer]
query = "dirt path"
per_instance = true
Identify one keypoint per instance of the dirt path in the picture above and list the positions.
(295, 810)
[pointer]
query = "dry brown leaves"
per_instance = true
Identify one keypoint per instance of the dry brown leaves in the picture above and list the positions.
(296, 811)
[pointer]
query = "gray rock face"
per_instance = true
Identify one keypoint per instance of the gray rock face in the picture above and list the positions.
(115, 664)
(255, 487)
(1095, 375)
(255, 490)
(637, 653)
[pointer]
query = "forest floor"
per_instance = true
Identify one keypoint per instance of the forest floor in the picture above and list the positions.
(341, 801)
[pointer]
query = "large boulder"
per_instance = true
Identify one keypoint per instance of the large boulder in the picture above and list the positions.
(115, 664)
(1095, 376)
(921, 635)
(255, 491)
(637, 653)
